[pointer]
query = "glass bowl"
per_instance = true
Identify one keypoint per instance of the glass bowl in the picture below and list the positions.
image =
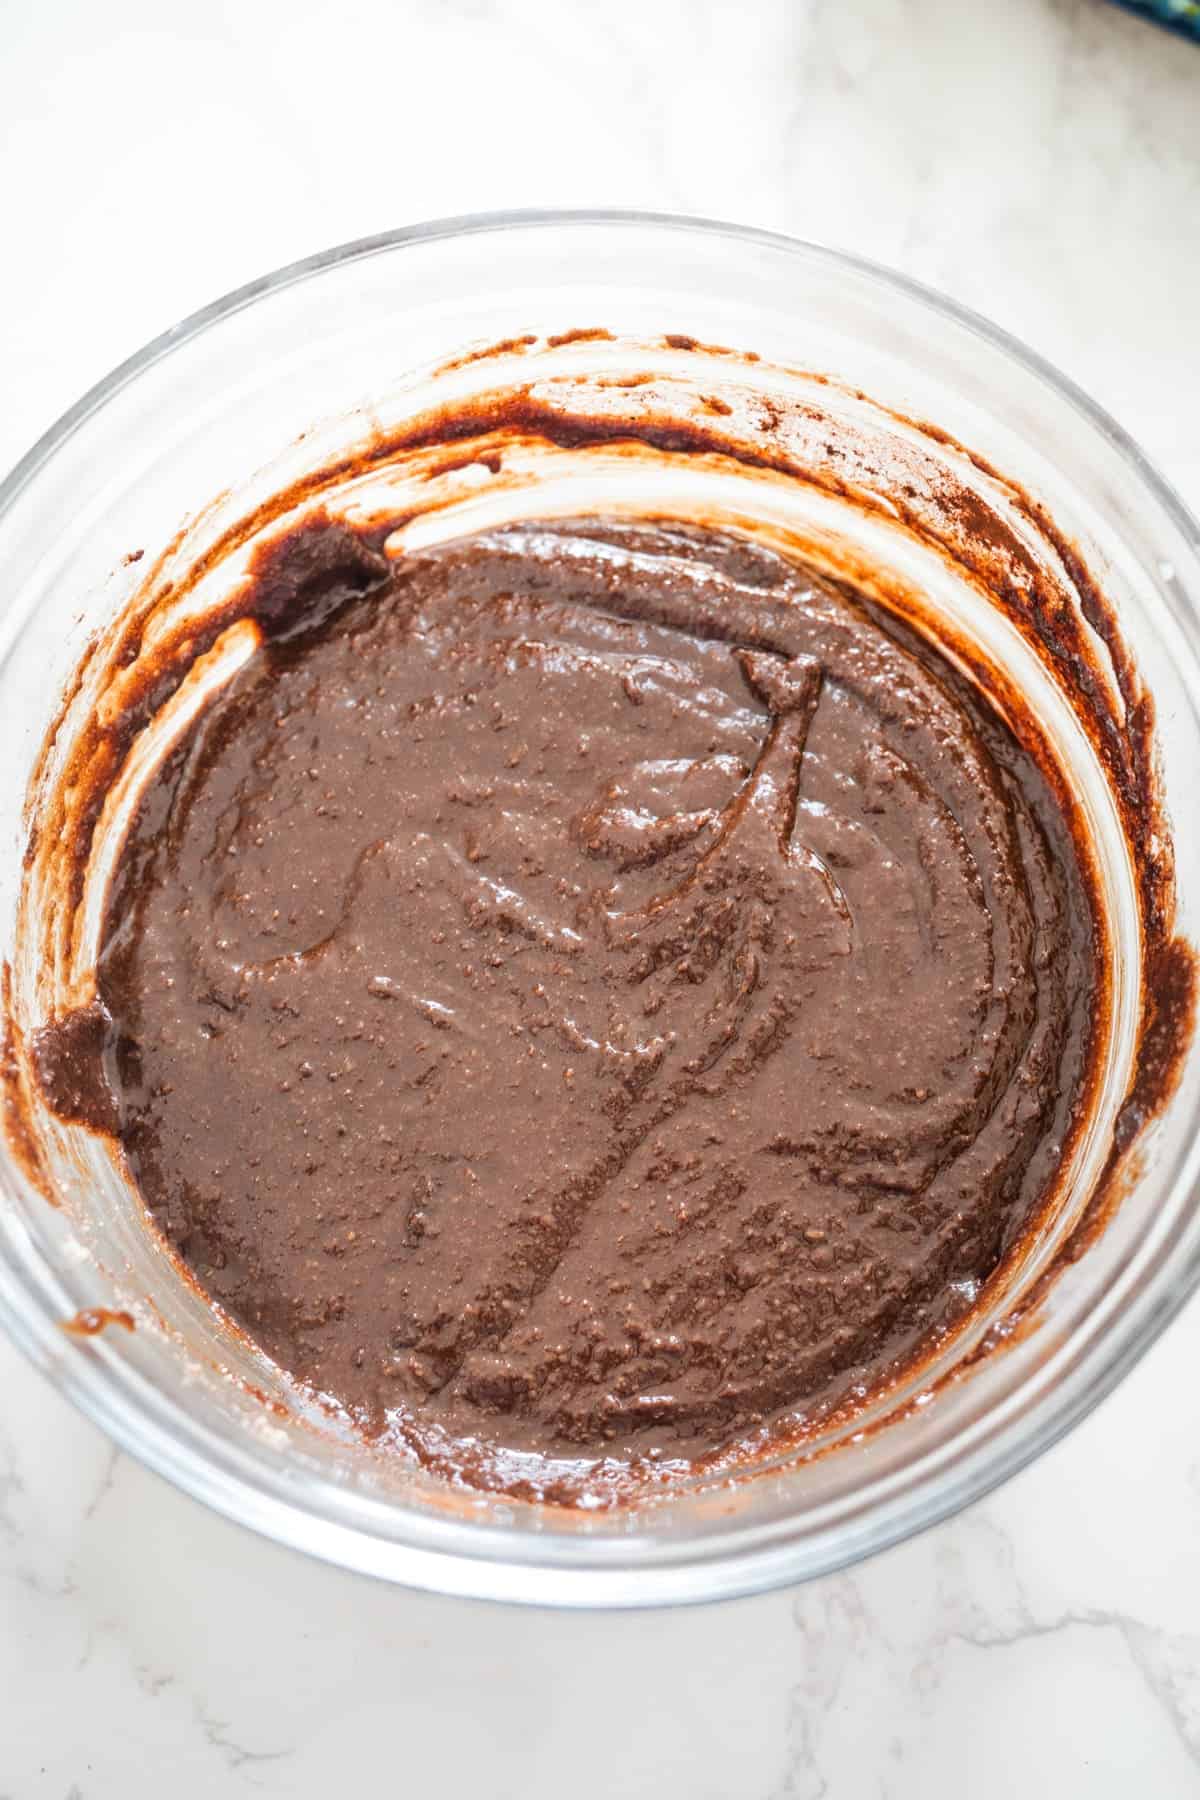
(159, 468)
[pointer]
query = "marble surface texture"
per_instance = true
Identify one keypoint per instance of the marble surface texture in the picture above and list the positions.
(1037, 159)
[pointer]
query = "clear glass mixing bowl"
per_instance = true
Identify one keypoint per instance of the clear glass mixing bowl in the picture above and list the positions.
(270, 382)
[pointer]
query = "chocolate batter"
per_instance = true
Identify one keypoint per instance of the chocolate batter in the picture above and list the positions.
(591, 989)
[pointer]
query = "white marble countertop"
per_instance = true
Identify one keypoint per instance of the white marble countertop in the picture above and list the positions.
(1038, 159)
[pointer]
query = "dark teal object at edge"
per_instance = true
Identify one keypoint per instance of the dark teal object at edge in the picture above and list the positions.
(1178, 15)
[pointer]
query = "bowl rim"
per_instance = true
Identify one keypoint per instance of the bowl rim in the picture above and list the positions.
(144, 1424)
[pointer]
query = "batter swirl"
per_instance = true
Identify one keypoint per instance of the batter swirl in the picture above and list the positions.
(593, 988)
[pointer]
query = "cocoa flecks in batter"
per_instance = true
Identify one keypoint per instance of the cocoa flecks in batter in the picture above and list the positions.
(71, 1059)
(597, 992)
(1169, 1018)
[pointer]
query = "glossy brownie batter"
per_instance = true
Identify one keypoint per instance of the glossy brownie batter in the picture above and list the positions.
(591, 988)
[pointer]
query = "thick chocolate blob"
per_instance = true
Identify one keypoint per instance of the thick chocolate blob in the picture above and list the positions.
(591, 989)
